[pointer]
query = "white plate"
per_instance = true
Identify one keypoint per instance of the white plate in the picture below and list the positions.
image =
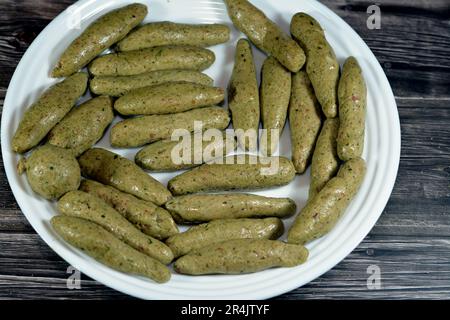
(382, 148)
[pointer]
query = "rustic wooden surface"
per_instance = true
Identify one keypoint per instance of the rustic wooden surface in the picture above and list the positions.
(411, 241)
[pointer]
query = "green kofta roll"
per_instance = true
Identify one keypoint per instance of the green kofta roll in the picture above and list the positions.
(98, 37)
(146, 216)
(222, 230)
(103, 246)
(170, 33)
(275, 92)
(321, 64)
(168, 155)
(47, 111)
(83, 205)
(82, 127)
(111, 169)
(322, 212)
(235, 173)
(52, 171)
(171, 97)
(136, 132)
(325, 162)
(352, 111)
(117, 86)
(152, 59)
(241, 256)
(304, 121)
(243, 96)
(208, 207)
(265, 34)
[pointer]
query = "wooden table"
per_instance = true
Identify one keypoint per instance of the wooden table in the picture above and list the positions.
(410, 244)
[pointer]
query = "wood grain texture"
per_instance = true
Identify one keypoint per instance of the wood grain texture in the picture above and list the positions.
(411, 241)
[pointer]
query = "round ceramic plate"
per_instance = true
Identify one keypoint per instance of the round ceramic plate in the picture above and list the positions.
(382, 147)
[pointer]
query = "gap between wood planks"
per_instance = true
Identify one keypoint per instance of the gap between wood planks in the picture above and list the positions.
(422, 98)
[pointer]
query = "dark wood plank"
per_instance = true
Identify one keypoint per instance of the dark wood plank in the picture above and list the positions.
(404, 272)
(412, 44)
